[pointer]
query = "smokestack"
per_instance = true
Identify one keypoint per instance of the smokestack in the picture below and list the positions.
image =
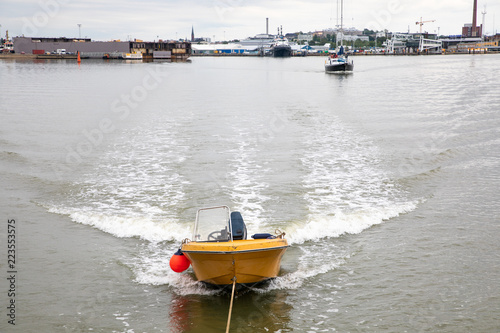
(267, 25)
(474, 16)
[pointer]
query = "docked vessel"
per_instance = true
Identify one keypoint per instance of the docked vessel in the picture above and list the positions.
(339, 62)
(7, 46)
(259, 41)
(132, 56)
(281, 48)
(221, 254)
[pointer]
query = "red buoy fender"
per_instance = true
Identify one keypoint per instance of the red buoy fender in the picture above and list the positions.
(179, 262)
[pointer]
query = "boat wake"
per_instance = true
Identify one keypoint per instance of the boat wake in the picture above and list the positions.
(329, 183)
(340, 222)
(127, 226)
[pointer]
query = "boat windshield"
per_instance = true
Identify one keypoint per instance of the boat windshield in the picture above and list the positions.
(212, 225)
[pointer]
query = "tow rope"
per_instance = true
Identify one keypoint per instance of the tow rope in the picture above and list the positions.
(231, 306)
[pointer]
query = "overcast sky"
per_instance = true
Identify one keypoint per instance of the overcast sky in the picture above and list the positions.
(231, 19)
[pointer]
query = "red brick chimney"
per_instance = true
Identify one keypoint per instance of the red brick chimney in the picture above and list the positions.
(474, 19)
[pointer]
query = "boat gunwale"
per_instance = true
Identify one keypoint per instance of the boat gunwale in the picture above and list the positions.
(238, 251)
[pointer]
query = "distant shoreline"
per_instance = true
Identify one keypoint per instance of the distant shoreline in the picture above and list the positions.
(34, 56)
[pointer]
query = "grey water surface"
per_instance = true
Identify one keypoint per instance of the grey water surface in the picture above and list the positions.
(385, 182)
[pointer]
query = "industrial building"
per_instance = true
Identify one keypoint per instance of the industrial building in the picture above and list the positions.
(472, 40)
(173, 50)
(413, 43)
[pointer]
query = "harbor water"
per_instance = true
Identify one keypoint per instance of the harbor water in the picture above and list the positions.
(385, 182)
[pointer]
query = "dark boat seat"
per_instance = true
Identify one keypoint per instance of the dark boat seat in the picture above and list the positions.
(238, 226)
(263, 236)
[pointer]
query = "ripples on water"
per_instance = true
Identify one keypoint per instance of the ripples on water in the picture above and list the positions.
(303, 171)
(317, 156)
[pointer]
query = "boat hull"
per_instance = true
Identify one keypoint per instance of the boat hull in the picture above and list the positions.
(282, 51)
(345, 67)
(250, 261)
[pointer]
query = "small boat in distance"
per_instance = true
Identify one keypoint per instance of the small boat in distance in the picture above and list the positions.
(339, 62)
(221, 254)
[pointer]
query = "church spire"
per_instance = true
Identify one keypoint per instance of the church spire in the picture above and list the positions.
(192, 34)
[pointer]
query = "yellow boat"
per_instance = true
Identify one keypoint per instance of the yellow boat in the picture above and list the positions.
(221, 253)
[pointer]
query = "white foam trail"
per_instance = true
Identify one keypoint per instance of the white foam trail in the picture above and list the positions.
(296, 279)
(135, 187)
(247, 187)
(347, 188)
(130, 226)
(152, 267)
(319, 227)
(182, 283)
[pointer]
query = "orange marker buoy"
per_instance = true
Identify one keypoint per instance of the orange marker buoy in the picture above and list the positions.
(179, 262)
(78, 59)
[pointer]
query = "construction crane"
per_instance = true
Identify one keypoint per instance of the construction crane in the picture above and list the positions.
(422, 23)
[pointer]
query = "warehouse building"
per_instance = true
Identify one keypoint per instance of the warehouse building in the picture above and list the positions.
(92, 49)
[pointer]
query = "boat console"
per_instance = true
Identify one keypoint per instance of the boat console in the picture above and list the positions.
(238, 226)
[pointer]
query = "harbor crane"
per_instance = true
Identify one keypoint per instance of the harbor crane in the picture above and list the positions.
(422, 23)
